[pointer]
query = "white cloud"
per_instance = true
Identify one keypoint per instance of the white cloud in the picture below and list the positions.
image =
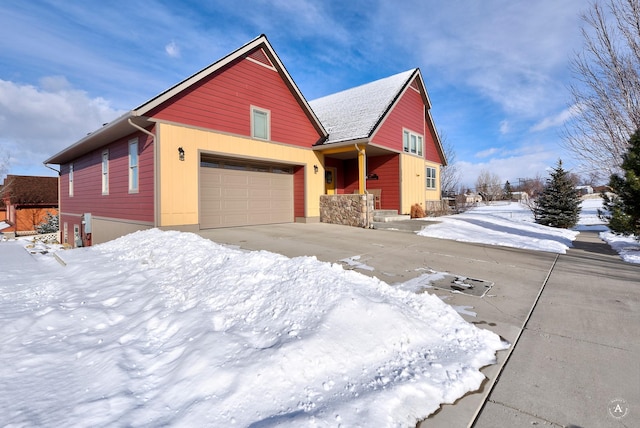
(514, 53)
(172, 50)
(557, 120)
(37, 122)
(486, 153)
(505, 127)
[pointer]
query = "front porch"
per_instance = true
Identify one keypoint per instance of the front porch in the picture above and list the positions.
(364, 169)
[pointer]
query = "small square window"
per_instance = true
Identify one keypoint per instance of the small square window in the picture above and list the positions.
(260, 123)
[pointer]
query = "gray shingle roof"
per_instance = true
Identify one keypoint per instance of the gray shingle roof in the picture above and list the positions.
(353, 114)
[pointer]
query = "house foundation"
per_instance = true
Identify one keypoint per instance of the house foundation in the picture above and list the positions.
(350, 210)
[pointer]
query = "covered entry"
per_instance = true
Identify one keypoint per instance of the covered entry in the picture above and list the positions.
(236, 192)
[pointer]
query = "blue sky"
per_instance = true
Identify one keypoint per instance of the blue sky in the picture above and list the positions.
(496, 70)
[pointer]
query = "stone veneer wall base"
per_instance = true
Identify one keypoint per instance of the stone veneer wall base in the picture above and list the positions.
(350, 210)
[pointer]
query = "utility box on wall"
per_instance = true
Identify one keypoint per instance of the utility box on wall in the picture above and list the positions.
(86, 222)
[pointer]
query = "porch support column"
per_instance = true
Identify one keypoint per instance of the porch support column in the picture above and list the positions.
(362, 168)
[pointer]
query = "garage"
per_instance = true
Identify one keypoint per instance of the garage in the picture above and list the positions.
(236, 193)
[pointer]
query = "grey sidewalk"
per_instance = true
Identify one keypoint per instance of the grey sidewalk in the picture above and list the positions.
(577, 362)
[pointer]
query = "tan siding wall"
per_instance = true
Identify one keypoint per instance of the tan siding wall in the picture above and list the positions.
(108, 229)
(413, 182)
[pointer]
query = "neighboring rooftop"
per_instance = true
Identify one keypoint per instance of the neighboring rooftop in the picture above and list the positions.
(354, 113)
(30, 190)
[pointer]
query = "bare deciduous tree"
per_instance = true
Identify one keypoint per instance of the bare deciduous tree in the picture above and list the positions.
(4, 164)
(606, 92)
(489, 186)
(449, 174)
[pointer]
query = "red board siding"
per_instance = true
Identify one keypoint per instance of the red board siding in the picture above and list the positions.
(408, 113)
(87, 188)
(430, 151)
(387, 168)
(298, 192)
(223, 100)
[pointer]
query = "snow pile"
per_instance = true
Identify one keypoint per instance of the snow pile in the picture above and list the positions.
(167, 328)
(628, 247)
(505, 224)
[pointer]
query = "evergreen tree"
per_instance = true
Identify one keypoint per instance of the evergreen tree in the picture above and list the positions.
(50, 224)
(622, 209)
(559, 203)
(508, 191)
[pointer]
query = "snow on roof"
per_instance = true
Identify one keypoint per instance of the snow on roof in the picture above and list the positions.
(353, 113)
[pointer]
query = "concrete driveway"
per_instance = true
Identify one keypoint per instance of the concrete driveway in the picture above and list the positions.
(573, 319)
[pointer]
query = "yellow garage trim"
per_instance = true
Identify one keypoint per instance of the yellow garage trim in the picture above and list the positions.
(179, 179)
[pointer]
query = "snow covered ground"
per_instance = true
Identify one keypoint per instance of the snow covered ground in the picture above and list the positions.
(169, 329)
(511, 224)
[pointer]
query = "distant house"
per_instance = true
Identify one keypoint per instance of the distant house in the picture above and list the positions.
(584, 190)
(520, 196)
(238, 144)
(26, 200)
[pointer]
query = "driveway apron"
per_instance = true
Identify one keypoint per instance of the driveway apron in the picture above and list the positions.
(573, 318)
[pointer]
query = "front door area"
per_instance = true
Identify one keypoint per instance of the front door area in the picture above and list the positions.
(330, 180)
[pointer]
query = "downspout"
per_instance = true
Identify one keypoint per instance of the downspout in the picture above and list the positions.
(156, 210)
(362, 178)
(53, 169)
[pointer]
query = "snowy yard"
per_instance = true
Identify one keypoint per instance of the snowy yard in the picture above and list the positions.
(511, 224)
(167, 328)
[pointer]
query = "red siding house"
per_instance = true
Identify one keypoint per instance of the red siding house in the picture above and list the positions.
(238, 144)
(26, 200)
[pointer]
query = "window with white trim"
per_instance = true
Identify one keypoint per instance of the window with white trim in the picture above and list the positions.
(260, 123)
(430, 173)
(105, 172)
(412, 143)
(71, 179)
(133, 166)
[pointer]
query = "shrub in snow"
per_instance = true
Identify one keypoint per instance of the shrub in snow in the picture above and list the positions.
(622, 208)
(559, 203)
(417, 211)
(50, 224)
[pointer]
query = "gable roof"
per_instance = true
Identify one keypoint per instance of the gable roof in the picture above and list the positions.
(353, 114)
(30, 190)
(121, 126)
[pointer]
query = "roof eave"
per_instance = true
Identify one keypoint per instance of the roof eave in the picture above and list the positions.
(114, 130)
(342, 143)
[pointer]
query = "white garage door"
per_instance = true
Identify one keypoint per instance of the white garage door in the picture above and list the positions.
(233, 194)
